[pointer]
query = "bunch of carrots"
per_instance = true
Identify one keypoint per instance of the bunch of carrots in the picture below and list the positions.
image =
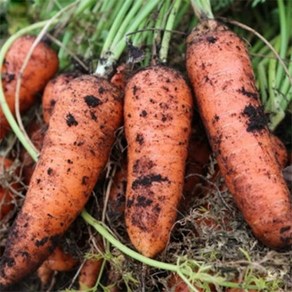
(156, 105)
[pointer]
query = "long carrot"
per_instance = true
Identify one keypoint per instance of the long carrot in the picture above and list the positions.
(221, 75)
(42, 65)
(158, 110)
(74, 152)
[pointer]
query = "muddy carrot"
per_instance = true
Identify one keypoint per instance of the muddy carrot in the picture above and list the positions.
(41, 67)
(74, 153)
(221, 74)
(157, 113)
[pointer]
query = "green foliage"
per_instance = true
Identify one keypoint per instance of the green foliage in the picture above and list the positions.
(256, 2)
(221, 4)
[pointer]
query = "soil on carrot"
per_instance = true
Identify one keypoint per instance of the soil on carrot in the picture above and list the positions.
(209, 231)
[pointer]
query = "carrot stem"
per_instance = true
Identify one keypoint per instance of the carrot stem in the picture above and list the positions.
(167, 34)
(103, 231)
(159, 25)
(286, 84)
(185, 269)
(202, 9)
(284, 40)
(113, 30)
(263, 81)
(115, 47)
(123, 27)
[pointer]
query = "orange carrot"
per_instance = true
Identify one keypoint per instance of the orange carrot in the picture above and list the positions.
(119, 78)
(197, 161)
(158, 110)
(221, 74)
(176, 284)
(91, 269)
(75, 151)
(60, 261)
(51, 93)
(57, 261)
(45, 274)
(117, 196)
(41, 67)
(89, 273)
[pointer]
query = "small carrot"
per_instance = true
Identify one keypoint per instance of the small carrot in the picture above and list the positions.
(75, 151)
(117, 196)
(51, 93)
(91, 268)
(221, 74)
(119, 79)
(45, 275)
(89, 273)
(197, 161)
(41, 67)
(157, 113)
(58, 261)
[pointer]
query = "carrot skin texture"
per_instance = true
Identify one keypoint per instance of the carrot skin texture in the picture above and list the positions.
(41, 67)
(74, 153)
(157, 113)
(51, 93)
(221, 74)
(280, 151)
(57, 261)
(89, 273)
(60, 261)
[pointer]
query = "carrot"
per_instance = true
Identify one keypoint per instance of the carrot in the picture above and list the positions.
(57, 261)
(176, 284)
(92, 267)
(45, 275)
(89, 273)
(197, 160)
(6, 195)
(157, 113)
(117, 195)
(119, 79)
(74, 153)
(41, 67)
(51, 93)
(60, 261)
(221, 74)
